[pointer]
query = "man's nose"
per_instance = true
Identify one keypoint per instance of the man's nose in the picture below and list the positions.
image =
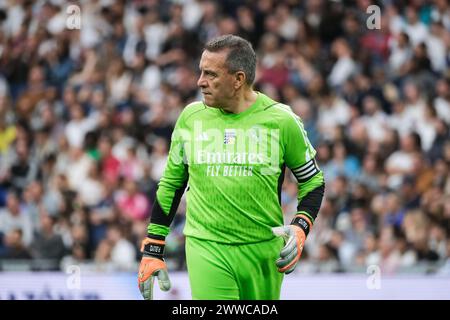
(201, 82)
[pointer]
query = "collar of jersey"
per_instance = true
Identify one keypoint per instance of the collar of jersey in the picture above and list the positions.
(245, 112)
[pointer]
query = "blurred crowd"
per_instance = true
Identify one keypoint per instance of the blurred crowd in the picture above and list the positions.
(86, 117)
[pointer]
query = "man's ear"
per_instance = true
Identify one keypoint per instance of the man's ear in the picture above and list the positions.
(240, 79)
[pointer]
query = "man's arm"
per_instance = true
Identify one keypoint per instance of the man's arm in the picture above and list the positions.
(299, 157)
(310, 194)
(170, 190)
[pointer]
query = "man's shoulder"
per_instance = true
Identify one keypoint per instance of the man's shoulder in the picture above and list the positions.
(280, 111)
(192, 108)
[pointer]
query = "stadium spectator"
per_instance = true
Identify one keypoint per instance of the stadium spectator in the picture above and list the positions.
(47, 244)
(13, 216)
(131, 203)
(123, 253)
(14, 248)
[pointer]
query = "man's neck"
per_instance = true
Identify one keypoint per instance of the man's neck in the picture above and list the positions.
(242, 102)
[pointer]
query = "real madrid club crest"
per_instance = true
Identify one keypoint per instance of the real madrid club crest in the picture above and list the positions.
(229, 136)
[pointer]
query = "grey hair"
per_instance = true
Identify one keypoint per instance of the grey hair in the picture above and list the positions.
(241, 56)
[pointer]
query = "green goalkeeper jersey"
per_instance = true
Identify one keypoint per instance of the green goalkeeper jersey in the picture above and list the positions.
(233, 167)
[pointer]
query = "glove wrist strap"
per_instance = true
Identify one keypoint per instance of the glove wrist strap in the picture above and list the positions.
(303, 222)
(153, 246)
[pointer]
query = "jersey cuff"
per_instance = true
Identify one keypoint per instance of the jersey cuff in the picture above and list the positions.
(156, 231)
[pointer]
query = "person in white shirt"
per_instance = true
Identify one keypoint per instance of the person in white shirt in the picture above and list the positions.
(436, 47)
(374, 118)
(345, 66)
(13, 217)
(79, 125)
(400, 53)
(333, 112)
(416, 29)
(123, 253)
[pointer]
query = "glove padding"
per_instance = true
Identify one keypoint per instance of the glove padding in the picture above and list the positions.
(150, 268)
(152, 265)
(294, 239)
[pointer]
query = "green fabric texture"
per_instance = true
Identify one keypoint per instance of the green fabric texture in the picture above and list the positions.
(220, 271)
(158, 229)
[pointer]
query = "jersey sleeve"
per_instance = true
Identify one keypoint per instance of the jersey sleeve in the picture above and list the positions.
(299, 157)
(171, 185)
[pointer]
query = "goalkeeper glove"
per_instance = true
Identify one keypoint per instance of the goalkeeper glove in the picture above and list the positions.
(152, 265)
(294, 236)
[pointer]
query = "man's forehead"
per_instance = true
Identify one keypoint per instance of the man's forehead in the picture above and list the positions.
(213, 59)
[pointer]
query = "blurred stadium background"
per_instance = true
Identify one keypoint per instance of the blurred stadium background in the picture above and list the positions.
(86, 117)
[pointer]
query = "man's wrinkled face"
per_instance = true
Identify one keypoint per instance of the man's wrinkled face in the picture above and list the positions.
(215, 82)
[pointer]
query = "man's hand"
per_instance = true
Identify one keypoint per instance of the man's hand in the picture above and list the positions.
(152, 265)
(294, 236)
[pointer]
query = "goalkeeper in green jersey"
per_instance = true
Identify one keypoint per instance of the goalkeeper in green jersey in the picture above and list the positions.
(230, 151)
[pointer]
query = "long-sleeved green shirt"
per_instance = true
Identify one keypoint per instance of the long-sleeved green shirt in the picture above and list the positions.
(233, 165)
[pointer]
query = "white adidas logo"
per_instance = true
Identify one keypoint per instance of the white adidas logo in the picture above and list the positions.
(202, 137)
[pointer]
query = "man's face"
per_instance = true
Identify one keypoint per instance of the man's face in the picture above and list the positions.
(13, 204)
(216, 84)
